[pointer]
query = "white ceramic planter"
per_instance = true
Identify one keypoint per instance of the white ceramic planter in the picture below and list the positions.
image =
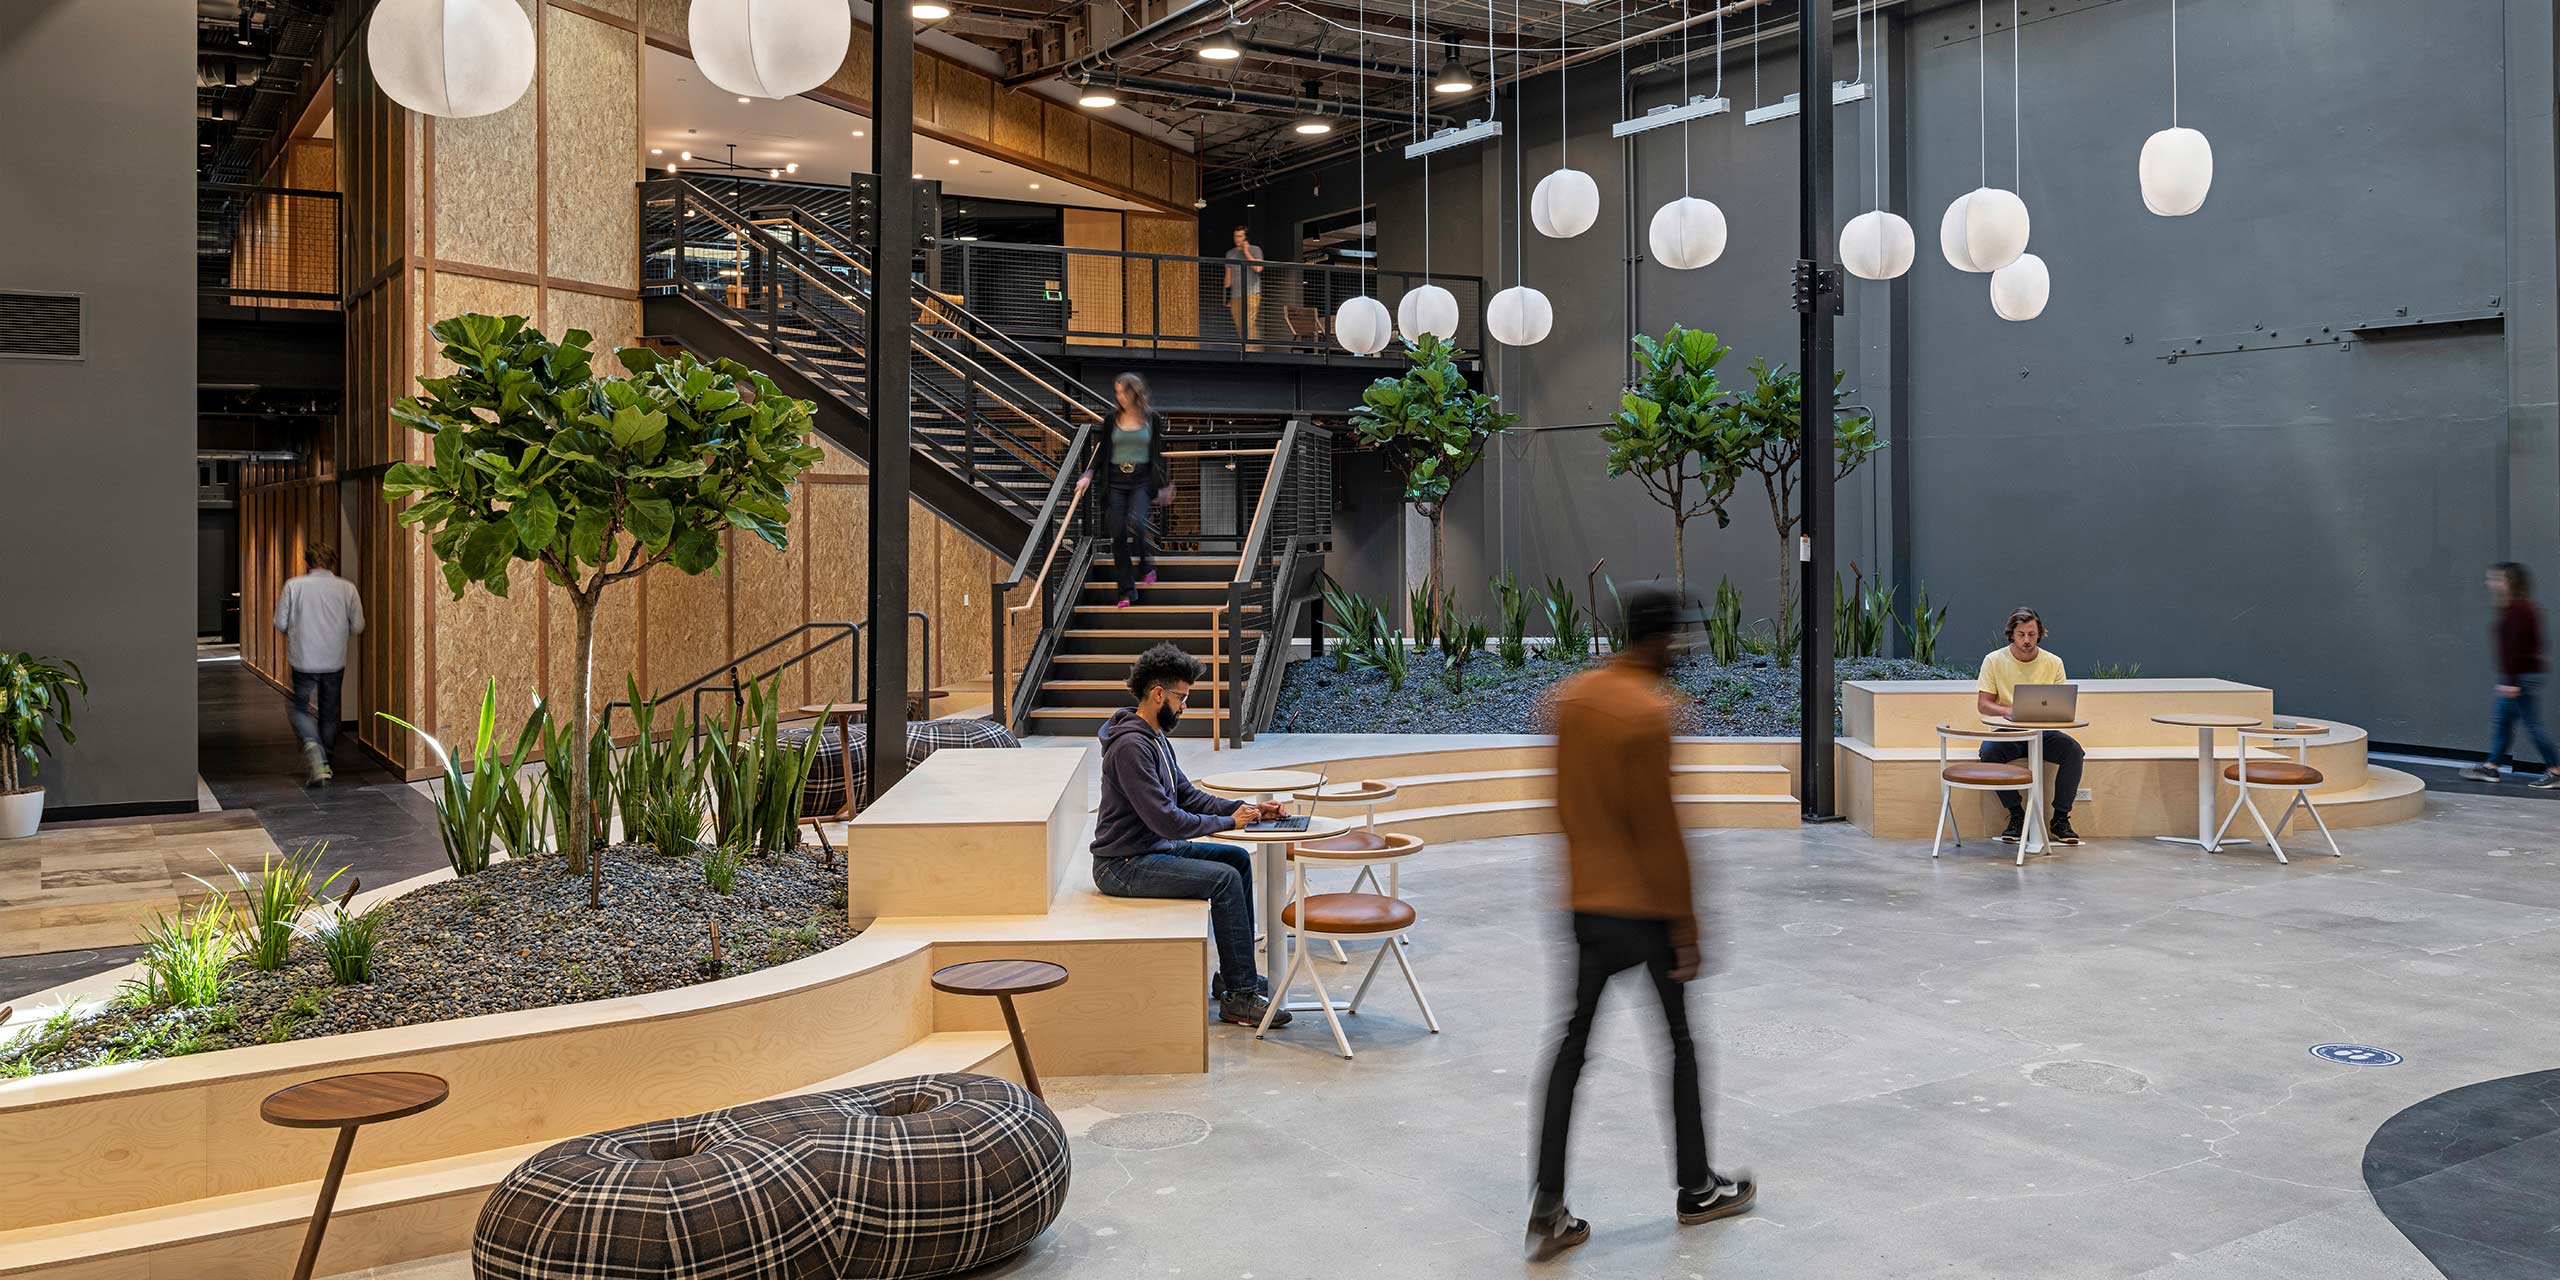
(20, 812)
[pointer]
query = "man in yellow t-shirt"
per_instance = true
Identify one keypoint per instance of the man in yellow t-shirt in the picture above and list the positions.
(2025, 660)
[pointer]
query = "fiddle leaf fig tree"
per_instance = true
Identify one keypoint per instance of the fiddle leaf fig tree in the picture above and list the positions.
(1665, 432)
(1432, 426)
(35, 703)
(596, 480)
(1762, 432)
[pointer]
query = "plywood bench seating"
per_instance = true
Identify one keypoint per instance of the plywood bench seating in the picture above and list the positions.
(2140, 775)
(163, 1168)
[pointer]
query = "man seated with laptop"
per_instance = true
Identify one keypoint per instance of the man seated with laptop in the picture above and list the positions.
(2024, 681)
(1146, 836)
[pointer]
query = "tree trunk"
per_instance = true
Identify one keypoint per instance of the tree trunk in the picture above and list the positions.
(1436, 511)
(1786, 583)
(582, 847)
(1680, 553)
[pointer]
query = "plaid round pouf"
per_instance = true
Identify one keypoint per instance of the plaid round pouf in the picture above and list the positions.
(918, 1177)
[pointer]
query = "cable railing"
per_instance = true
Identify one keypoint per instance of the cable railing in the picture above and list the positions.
(267, 246)
(1170, 302)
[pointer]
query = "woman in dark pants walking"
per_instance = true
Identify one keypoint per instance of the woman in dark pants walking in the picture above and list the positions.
(1137, 479)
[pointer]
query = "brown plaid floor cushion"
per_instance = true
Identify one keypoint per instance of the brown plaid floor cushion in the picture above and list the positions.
(918, 1177)
(833, 768)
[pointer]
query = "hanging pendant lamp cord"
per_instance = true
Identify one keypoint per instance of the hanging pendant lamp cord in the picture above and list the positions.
(2173, 64)
(1519, 157)
(1368, 262)
(2017, 118)
(1564, 106)
(1684, 98)
(1982, 88)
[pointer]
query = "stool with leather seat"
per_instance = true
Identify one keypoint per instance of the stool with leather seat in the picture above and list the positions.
(1977, 775)
(1382, 918)
(2278, 774)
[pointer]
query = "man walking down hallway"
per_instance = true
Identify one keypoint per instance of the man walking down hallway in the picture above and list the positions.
(317, 612)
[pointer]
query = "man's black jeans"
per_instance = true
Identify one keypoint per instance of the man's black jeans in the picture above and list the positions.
(1605, 945)
(2062, 751)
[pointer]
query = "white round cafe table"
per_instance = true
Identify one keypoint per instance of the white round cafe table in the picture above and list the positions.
(2032, 839)
(1271, 876)
(1256, 784)
(2204, 725)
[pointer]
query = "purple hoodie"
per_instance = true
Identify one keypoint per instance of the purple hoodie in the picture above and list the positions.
(1148, 806)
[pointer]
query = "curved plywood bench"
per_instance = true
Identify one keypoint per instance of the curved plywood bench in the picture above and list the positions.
(163, 1167)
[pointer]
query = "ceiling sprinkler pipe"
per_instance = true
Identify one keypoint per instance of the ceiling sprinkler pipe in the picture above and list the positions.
(1172, 28)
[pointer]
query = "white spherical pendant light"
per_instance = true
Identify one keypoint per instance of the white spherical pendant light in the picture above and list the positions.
(1687, 233)
(2177, 172)
(2019, 290)
(769, 48)
(1984, 230)
(1565, 204)
(451, 58)
(1877, 245)
(1427, 309)
(1363, 326)
(1519, 317)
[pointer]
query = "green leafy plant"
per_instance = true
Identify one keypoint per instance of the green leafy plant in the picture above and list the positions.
(1355, 623)
(1724, 624)
(1511, 607)
(1433, 428)
(558, 784)
(184, 954)
(1922, 627)
(1613, 623)
(1461, 638)
(720, 862)
(472, 807)
(35, 705)
(659, 784)
(1432, 614)
(1861, 614)
(756, 779)
(19, 1057)
(1392, 659)
(524, 807)
(284, 887)
(1667, 435)
(596, 481)
(1568, 627)
(1761, 432)
(347, 942)
(2116, 671)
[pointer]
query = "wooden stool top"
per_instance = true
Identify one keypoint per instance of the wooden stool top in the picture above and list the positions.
(1358, 845)
(339, 1102)
(1366, 792)
(999, 977)
(833, 708)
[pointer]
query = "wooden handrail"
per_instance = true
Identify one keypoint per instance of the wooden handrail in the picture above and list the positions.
(1056, 541)
(1252, 546)
(1219, 453)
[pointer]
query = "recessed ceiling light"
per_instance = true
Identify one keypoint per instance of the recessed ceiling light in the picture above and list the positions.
(919, 175)
(1096, 99)
(1035, 186)
(1453, 77)
(955, 161)
(684, 155)
(1314, 126)
(657, 151)
(793, 167)
(1221, 48)
(857, 133)
(742, 102)
(928, 11)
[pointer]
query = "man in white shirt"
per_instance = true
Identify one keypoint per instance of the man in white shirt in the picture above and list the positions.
(317, 612)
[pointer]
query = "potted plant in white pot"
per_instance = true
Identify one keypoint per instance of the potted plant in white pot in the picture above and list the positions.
(35, 701)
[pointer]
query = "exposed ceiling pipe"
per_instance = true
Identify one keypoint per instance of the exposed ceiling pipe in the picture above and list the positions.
(1317, 58)
(1197, 94)
(1170, 28)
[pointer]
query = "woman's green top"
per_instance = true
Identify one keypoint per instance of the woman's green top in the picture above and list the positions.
(1129, 447)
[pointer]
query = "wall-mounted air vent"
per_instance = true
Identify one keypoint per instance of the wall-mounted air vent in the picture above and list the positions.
(39, 326)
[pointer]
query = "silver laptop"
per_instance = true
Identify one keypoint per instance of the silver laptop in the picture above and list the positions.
(2044, 704)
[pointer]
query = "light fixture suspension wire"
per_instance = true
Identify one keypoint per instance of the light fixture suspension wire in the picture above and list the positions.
(1564, 106)
(1982, 89)
(1368, 218)
(2173, 64)
(2017, 118)
(1684, 98)
(1519, 157)
(1875, 139)
(1755, 57)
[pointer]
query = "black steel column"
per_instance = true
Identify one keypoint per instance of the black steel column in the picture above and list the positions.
(1817, 288)
(888, 336)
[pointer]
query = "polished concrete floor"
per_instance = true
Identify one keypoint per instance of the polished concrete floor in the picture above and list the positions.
(2097, 1065)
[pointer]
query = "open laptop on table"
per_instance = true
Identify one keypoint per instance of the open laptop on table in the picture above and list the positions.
(1297, 821)
(2034, 704)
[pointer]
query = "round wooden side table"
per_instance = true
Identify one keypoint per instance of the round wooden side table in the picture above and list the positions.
(346, 1104)
(1004, 979)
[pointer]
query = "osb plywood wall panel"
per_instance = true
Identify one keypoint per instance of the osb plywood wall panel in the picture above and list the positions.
(962, 101)
(1182, 182)
(853, 79)
(479, 638)
(666, 21)
(614, 322)
(925, 93)
(617, 645)
(767, 585)
(1064, 136)
(837, 581)
(591, 117)
(1094, 284)
(1108, 154)
(1176, 285)
(1147, 163)
(484, 174)
(688, 626)
(960, 623)
(1018, 127)
(618, 8)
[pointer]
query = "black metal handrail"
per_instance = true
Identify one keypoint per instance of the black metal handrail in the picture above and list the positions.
(849, 633)
(1292, 519)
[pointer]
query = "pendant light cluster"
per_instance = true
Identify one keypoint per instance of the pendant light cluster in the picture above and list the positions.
(1518, 316)
(463, 58)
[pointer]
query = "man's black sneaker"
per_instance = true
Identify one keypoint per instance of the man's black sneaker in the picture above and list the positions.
(1723, 1200)
(2017, 824)
(1245, 1009)
(1553, 1233)
(2061, 832)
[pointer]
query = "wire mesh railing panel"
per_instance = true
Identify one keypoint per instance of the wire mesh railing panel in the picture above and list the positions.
(267, 246)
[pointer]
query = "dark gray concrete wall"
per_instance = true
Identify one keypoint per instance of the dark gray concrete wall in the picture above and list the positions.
(2314, 519)
(97, 497)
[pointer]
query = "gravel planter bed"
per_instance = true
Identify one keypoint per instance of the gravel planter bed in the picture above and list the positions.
(516, 936)
(1752, 698)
